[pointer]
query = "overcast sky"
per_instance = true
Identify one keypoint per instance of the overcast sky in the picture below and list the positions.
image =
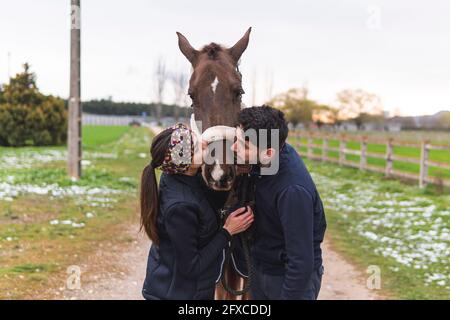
(397, 49)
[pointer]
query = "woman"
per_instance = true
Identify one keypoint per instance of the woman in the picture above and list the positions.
(185, 258)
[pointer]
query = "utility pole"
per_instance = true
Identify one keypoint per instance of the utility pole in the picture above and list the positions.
(74, 127)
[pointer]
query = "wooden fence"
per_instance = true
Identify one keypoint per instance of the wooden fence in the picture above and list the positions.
(424, 162)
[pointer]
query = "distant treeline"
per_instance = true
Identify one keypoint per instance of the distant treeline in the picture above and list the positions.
(109, 107)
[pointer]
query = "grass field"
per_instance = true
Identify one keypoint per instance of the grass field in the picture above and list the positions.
(402, 229)
(48, 222)
(442, 156)
(99, 135)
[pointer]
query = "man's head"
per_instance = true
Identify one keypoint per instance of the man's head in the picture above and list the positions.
(262, 132)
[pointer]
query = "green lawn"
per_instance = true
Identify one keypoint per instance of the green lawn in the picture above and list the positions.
(98, 135)
(49, 222)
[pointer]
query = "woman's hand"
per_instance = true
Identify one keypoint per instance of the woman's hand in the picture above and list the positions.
(238, 221)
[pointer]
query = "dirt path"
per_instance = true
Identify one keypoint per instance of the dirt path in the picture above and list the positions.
(124, 272)
(341, 280)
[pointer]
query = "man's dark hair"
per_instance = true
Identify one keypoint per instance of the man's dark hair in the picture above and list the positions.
(264, 117)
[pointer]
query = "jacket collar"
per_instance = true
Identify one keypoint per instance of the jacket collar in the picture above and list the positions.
(284, 157)
(191, 181)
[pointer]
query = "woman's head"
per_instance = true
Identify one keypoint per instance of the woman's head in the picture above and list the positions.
(171, 151)
(179, 153)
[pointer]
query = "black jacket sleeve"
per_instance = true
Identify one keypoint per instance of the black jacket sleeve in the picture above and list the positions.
(182, 223)
(295, 207)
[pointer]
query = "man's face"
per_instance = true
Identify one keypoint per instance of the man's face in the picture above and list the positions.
(245, 148)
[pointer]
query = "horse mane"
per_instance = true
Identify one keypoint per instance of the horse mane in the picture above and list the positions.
(212, 50)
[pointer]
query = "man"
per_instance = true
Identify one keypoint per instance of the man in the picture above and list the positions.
(289, 216)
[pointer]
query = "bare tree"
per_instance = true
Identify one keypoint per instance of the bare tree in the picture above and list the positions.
(269, 85)
(179, 81)
(358, 105)
(161, 77)
(254, 86)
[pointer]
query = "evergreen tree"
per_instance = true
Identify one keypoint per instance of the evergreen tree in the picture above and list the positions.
(27, 117)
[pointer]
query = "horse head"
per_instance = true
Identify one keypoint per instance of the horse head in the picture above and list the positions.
(215, 88)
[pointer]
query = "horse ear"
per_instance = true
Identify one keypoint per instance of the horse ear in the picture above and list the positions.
(189, 52)
(238, 49)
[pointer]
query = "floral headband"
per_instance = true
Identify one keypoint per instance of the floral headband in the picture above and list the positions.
(180, 151)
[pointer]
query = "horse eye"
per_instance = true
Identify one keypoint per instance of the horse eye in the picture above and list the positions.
(240, 92)
(192, 96)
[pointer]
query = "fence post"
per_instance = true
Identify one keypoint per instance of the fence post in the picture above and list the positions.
(363, 155)
(324, 148)
(310, 149)
(297, 141)
(423, 164)
(342, 146)
(389, 161)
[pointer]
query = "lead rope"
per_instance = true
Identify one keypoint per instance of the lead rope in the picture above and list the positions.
(246, 199)
(246, 249)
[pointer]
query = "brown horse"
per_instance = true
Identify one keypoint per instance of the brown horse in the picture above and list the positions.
(215, 88)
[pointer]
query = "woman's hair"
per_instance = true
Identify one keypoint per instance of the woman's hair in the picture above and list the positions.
(149, 186)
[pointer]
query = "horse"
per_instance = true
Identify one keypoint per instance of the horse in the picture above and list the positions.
(215, 88)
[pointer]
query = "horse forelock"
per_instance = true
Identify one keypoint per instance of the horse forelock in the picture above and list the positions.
(212, 50)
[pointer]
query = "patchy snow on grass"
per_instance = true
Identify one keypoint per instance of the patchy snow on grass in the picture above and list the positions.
(100, 155)
(99, 201)
(89, 215)
(24, 159)
(95, 194)
(414, 232)
(71, 223)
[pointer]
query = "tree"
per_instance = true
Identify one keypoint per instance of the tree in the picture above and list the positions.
(357, 104)
(27, 117)
(295, 105)
(161, 77)
(22, 89)
(179, 81)
(132, 108)
(323, 114)
(443, 121)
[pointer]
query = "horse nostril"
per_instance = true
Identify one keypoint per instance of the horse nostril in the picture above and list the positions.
(222, 179)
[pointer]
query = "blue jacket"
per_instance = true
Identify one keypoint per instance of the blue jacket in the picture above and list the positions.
(187, 262)
(289, 224)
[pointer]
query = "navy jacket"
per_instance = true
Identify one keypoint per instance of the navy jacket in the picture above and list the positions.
(289, 224)
(187, 262)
